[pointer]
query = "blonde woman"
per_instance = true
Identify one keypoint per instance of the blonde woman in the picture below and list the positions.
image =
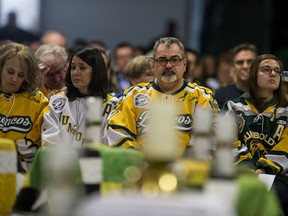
(21, 104)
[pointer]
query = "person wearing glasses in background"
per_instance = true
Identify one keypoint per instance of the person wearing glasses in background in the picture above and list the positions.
(52, 60)
(127, 123)
(242, 56)
(261, 115)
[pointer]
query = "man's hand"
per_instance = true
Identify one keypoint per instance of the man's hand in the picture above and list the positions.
(43, 70)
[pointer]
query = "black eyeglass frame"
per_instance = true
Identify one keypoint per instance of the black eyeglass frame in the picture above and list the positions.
(164, 61)
(270, 69)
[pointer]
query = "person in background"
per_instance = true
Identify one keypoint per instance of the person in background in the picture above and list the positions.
(208, 76)
(224, 69)
(192, 73)
(285, 82)
(54, 37)
(64, 118)
(261, 117)
(139, 70)
(21, 104)
(126, 124)
(242, 56)
(52, 60)
(113, 87)
(78, 43)
(123, 53)
(96, 43)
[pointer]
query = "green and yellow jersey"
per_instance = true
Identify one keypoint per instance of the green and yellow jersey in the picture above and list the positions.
(262, 134)
(127, 123)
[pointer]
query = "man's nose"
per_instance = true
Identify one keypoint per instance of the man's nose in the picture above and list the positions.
(246, 64)
(168, 64)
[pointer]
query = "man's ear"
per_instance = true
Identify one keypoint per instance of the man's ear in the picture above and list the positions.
(185, 63)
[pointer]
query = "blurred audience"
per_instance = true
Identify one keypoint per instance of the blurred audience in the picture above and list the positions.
(285, 82)
(208, 72)
(97, 44)
(77, 44)
(224, 69)
(54, 37)
(123, 53)
(113, 87)
(193, 72)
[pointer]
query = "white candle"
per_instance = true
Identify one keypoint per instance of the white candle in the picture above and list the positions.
(202, 120)
(162, 143)
(225, 129)
(93, 120)
(93, 109)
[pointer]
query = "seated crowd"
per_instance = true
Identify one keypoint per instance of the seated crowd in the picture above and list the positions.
(45, 92)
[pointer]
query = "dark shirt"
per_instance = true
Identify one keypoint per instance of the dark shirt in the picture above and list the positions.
(223, 94)
(122, 80)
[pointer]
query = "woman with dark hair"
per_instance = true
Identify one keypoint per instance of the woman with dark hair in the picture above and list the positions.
(64, 118)
(262, 116)
(89, 63)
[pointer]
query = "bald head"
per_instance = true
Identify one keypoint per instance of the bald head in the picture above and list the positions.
(54, 37)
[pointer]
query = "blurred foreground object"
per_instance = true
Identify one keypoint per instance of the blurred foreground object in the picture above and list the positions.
(8, 175)
(160, 143)
(93, 119)
(196, 162)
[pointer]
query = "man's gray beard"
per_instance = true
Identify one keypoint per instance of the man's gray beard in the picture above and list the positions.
(169, 79)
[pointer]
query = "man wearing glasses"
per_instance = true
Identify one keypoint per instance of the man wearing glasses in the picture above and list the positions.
(128, 122)
(52, 60)
(242, 56)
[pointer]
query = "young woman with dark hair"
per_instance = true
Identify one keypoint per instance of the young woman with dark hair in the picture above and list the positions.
(64, 118)
(262, 115)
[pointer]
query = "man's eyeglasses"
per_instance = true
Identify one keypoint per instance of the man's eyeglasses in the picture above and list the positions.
(173, 61)
(268, 70)
(241, 62)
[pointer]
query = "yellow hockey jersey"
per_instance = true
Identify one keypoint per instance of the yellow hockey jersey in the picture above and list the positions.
(49, 92)
(21, 117)
(128, 121)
